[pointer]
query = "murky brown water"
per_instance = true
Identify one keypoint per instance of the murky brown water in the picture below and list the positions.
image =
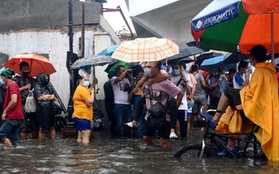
(109, 155)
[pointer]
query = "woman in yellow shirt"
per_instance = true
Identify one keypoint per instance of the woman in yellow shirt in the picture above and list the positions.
(83, 109)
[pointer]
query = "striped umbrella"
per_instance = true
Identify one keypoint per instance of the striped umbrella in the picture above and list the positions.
(229, 25)
(145, 50)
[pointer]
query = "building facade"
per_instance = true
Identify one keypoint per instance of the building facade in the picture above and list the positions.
(40, 26)
(164, 18)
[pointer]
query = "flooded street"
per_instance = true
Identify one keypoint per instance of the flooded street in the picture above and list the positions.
(111, 155)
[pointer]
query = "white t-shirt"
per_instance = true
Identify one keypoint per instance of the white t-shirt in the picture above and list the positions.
(175, 80)
(120, 96)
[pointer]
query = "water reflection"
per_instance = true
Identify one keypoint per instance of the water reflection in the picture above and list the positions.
(106, 155)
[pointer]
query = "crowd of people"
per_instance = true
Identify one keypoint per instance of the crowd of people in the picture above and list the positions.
(194, 92)
(16, 119)
(161, 100)
(176, 89)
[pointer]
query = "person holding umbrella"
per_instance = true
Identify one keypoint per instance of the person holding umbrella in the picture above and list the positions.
(12, 113)
(122, 106)
(25, 83)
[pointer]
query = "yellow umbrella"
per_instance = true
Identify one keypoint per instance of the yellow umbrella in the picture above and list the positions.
(145, 50)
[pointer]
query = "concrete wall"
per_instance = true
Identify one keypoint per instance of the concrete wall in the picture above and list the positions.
(137, 7)
(3, 59)
(40, 26)
(171, 19)
(53, 43)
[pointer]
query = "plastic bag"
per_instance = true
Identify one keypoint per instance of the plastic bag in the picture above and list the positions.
(98, 117)
(30, 103)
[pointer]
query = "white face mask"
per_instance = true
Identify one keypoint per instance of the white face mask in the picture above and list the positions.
(86, 83)
(223, 76)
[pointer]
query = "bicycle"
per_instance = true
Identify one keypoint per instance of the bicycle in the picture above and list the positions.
(210, 136)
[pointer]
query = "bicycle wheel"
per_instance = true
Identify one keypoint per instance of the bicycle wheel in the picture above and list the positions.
(191, 151)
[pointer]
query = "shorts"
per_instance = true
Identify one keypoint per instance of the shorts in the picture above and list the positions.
(10, 129)
(82, 124)
(29, 123)
(148, 130)
(199, 102)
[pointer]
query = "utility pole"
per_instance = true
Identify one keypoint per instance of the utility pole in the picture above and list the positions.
(82, 31)
(70, 104)
(118, 9)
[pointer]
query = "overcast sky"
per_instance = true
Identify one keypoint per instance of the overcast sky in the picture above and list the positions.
(114, 18)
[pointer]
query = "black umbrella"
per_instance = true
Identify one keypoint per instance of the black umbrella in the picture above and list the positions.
(204, 56)
(185, 52)
(235, 57)
(186, 60)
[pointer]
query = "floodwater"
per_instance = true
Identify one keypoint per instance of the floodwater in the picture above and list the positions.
(116, 155)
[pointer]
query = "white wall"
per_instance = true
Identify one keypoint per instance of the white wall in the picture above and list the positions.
(55, 43)
(102, 40)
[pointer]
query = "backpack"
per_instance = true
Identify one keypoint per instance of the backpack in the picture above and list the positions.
(30, 103)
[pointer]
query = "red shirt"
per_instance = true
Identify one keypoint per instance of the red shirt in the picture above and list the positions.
(16, 112)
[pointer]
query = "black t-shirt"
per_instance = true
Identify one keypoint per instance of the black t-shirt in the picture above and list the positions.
(23, 81)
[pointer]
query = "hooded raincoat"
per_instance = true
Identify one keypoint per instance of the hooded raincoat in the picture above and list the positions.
(260, 104)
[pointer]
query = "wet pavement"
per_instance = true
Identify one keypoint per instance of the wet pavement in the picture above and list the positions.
(116, 155)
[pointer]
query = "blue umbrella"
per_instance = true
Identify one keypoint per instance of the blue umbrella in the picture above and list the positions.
(213, 64)
(108, 51)
(205, 56)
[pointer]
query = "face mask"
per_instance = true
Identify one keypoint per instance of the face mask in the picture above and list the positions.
(175, 72)
(147, 72)
(86, 83)
(246, 71)
(25, 74)
(223, 76)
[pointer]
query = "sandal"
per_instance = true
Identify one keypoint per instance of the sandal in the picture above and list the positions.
(225, 152)
(173, 136)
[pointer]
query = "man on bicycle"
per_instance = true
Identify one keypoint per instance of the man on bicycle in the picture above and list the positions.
(258, 101)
